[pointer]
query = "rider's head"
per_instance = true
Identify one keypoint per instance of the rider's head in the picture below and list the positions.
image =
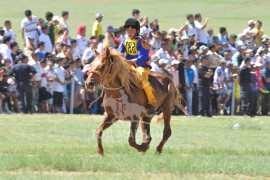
(132, 24)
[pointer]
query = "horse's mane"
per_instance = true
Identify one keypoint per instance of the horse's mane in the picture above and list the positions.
(122, 70)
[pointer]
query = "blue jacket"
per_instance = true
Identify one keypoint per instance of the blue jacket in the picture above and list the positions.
(138, 49)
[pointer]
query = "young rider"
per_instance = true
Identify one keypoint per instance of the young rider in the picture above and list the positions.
(137, 49)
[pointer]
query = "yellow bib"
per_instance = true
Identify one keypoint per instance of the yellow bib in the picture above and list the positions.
(131, 46)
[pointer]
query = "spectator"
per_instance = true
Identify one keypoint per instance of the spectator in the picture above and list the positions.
(162, 52)
(51, 76)
(210, 36)
(246, 92)
(89, 52)
(100, 44)
(189, 27)
(258, 33)
(44, 37)
(40, 50)
(155, 64)
(82, 43)
(97, 29)
(49, 23)
(233, 46)
(223, 39)
(29, 27)
(220, 85)
(266, 82)
(55, 21)
(8, 31)
(5, 49)
(136, 13)
(24, 75)
(59, 83)
(204, 74)
(249, 29)
(202, 36)
(155, 42)
(109, 37)
(195, 95)
(189, 74)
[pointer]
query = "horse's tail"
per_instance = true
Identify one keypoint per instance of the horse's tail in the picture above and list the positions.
(179, 100)
(178, 104)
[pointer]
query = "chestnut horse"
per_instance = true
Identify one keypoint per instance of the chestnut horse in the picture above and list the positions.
(124, 98)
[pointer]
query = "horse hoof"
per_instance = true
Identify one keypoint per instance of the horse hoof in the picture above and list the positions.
(100, 152)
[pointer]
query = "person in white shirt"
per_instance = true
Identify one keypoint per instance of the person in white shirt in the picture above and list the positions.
(154, 64)
(50, 80)
(8, 30)
(89, 52)
(82, 43)
(58, 88)
(202, 35)
(162, 52)
(5, 49)
(189, 28)
(29, 27)
(44, 37)
(34, 62)
(63, 24)
(251, 26)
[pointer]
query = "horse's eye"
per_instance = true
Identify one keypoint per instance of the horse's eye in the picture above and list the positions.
(102, 68)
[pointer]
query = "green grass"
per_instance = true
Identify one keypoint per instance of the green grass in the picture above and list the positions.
(171, 13)
(64, 146)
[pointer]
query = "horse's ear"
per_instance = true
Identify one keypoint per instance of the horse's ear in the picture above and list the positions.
(96, 53)
(107, 52)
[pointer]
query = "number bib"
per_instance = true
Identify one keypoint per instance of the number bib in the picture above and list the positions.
(131, 47)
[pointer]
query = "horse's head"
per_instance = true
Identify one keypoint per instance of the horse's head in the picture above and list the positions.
(99, 70)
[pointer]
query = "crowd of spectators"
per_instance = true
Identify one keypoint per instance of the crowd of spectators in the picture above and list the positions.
(204, 65)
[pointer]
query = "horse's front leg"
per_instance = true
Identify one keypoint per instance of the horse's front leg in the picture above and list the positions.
(132, 136)
(107, 122)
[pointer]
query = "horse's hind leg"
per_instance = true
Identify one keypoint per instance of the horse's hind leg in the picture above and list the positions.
(132, 136)
(166, 131)
(107, 122)
(145, 125)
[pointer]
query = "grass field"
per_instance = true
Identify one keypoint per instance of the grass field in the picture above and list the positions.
(64, 146)
(171, 13)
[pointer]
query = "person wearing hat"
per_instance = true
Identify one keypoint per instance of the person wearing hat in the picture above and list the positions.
(155, 64)
(88, 54)
(249, 29)
(97, 29)
(109, 37)
(203, 49)
(137, 50)
(55, 21)
(25, 77)
(204, 74)
(258, 33)
(244, 79)
(82, 43)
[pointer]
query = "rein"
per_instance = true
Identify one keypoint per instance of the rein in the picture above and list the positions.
(102, 78)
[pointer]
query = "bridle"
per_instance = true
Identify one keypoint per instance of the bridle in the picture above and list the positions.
(108, 72)
(102, 78)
